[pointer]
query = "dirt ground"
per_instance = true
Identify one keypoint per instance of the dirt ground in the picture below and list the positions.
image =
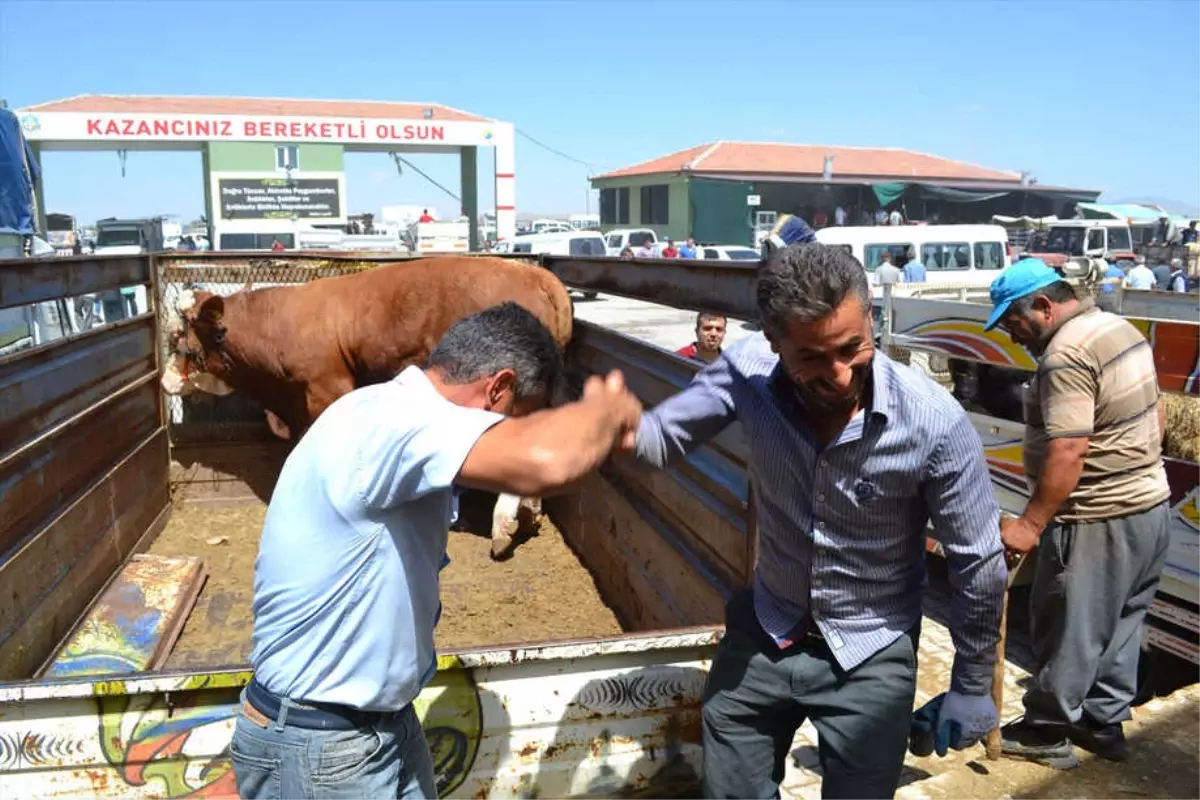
(217, 633)
(542, 592)
(1164, 734)
(1163, 738)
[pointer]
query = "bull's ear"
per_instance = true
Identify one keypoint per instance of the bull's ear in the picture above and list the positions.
(211, 310)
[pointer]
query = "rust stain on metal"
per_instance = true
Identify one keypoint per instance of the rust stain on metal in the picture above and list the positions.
(528, 750)
(482, 794)
(691, 730)
(555, 749)
(100, 780)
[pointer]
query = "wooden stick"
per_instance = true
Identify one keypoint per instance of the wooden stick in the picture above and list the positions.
(992, 741)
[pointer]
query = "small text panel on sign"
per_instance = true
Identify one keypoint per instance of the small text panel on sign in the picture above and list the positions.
(278, 198)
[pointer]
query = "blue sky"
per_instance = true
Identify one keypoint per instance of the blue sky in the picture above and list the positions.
(1088, 94)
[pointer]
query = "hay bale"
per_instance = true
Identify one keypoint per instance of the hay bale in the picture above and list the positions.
(1182, 438)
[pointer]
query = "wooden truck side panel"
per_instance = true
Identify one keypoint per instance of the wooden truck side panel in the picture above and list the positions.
(83, 457)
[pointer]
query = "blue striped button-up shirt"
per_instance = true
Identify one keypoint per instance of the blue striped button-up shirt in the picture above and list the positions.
(842, 527)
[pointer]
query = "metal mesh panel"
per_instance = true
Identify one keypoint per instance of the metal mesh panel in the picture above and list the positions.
(204, 417)
(935, 365)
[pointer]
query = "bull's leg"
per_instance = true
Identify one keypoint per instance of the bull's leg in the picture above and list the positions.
(509, 516)
(504, 523)
(278, 426)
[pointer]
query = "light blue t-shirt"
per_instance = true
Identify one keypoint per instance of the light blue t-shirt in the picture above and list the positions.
(346, 581)
(1140, 277)
(914, 272)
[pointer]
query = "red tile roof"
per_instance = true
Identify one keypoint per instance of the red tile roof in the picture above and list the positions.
(252, 106)
(805, 159)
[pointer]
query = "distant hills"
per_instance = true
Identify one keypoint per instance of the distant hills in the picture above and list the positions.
(1166, 203)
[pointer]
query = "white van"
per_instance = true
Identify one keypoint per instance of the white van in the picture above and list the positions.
(575, 243)
(951, 254)
(620, 238)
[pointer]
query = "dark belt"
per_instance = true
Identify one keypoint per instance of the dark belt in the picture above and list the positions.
(806, 631)
(319, 716)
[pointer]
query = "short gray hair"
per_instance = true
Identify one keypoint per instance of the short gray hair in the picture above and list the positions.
(502, 337)
(807, 281)
(1057, 292)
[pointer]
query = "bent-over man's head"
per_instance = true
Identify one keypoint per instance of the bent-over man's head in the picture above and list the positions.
(501, 359)
(816, 313)
(1028, 299)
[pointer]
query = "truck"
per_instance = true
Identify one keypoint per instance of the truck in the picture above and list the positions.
(26, 325)
(130, 237)
(1082, 238)
(96, 466)
(442, 236)
(63, 234)
(94, 470)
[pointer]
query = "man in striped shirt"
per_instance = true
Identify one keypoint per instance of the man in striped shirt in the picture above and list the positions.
(851, 456)
(1098, 512)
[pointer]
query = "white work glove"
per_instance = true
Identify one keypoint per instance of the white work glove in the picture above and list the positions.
(964, 720)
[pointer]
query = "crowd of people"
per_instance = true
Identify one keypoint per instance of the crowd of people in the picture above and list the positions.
(646, 249)
(1169, 277)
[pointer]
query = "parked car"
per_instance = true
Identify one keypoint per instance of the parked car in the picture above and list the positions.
(727, 252)
(618, 239)
(574, 243)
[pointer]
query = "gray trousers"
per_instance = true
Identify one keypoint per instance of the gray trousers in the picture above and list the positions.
(758, 695)
(1092, 585)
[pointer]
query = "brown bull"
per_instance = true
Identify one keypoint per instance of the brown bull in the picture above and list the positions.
(296, 349)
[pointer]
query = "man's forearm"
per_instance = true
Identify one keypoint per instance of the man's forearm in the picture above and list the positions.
(975, 612)
(544, 452)
(1059, 476)
(568, 444)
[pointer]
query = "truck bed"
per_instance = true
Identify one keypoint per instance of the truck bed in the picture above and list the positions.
(542, 593)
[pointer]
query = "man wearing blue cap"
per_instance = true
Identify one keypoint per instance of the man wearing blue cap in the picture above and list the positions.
(789, 230)
(1097, 512)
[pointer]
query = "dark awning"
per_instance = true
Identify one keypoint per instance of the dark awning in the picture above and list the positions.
(888, 192)
(959, 195)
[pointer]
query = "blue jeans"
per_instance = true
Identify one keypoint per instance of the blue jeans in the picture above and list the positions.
(276, 760)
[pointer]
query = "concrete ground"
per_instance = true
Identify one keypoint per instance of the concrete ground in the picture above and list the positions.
(1164, 733)
(664, 326)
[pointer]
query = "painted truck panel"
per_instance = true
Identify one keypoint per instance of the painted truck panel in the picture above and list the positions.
(617, 717)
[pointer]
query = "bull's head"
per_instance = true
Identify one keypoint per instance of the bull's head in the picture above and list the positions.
(197, 358)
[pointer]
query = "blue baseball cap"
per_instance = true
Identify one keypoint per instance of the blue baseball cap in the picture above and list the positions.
(789, 230)
(1022, 278)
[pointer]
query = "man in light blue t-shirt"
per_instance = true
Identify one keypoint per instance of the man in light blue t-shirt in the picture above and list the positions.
(1140, 277)
(346, 581)
(913, 269)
